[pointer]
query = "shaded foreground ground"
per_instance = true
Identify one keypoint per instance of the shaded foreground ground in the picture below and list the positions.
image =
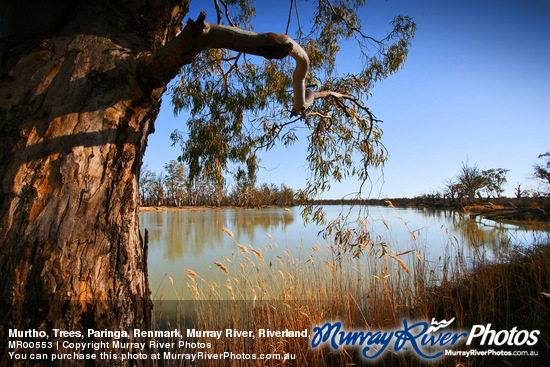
(513, 292)
(539, 213)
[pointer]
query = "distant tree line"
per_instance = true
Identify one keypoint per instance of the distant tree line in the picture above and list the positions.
(472, 184)
(172, 187)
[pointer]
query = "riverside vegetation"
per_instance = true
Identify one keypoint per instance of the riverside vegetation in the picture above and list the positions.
(472, 190)
(374, 288)
(323, 283)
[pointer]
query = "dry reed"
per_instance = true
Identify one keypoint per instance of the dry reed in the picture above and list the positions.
(279, 291)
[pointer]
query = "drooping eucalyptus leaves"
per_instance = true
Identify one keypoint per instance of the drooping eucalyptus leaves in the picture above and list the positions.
(240, 105)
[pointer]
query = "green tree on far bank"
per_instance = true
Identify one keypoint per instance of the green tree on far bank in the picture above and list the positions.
(175, 183)
(172, 188)
(494, 180)
(471, 181)
(542, 173)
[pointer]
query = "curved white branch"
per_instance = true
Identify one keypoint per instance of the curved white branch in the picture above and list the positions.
(299, 78)
(311, 96)
(197, 36)
(268, 45)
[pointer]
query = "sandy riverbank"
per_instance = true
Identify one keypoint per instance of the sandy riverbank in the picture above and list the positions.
(149, 209)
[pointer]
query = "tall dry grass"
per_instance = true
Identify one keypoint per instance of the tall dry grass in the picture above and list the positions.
(269, 287)
(510, 292)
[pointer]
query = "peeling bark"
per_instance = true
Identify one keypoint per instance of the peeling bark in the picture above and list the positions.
(79, 94)
(74, 121)
(71, 253)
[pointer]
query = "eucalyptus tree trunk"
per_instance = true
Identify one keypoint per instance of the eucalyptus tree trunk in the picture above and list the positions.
(75, 114)
(80, 88)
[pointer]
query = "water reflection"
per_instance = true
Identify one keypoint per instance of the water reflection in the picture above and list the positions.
(477, 232)
(195, 239)
(192, 233)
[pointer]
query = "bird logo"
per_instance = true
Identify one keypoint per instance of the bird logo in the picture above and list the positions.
(439, 325)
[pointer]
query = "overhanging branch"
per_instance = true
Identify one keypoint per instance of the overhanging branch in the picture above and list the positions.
(311, 96)
(160, 67)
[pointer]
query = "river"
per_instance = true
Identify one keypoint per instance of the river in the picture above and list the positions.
(194, 240)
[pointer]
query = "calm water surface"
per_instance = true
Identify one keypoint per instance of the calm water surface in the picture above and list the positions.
(195, 239)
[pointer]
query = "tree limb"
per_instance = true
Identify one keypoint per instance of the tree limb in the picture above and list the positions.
(218, 11)
(349, 25)
(289, 16)
(227, 14)
(311, 96)
(320, 115)
(197, 36)
(160, 67)
(298, 19)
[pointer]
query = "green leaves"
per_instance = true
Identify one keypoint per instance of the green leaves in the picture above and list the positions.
(542, 172)
(494, 180)
(240, 105)
(230, 103)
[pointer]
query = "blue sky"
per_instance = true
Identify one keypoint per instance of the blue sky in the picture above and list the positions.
(475, 87)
